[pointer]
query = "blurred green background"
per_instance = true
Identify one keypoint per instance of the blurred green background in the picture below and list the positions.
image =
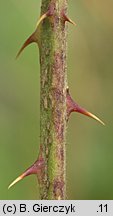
(90, 77)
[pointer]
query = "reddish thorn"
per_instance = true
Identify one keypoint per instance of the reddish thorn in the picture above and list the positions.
(34, 169)
(49, 13)
(30, 40)
(68, 19)
(74, 107)
(42, 18)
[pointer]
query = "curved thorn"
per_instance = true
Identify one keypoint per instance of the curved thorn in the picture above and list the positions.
(30, 40)
(34, 169)
(69, 20)
(41, 19)
(74, 107)
(31, 170)
(15, 181)
(85, 112)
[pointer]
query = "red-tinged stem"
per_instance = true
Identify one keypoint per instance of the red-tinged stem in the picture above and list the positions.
(53, 113)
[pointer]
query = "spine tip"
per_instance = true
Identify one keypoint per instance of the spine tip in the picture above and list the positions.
(34, 169)
(30, 40)
(41, 19)
(68, 19)
(74, 107)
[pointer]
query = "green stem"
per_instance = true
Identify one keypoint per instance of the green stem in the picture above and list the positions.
(53, 111)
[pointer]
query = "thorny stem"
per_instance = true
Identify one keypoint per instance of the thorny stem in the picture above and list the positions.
(56, 104)
(53, 110)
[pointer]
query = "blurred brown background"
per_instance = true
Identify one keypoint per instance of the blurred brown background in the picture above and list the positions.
(90, 77)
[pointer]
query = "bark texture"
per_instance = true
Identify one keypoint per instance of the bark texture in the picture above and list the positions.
(53, 110)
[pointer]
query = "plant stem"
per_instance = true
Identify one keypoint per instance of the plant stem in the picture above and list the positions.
(53, 110)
